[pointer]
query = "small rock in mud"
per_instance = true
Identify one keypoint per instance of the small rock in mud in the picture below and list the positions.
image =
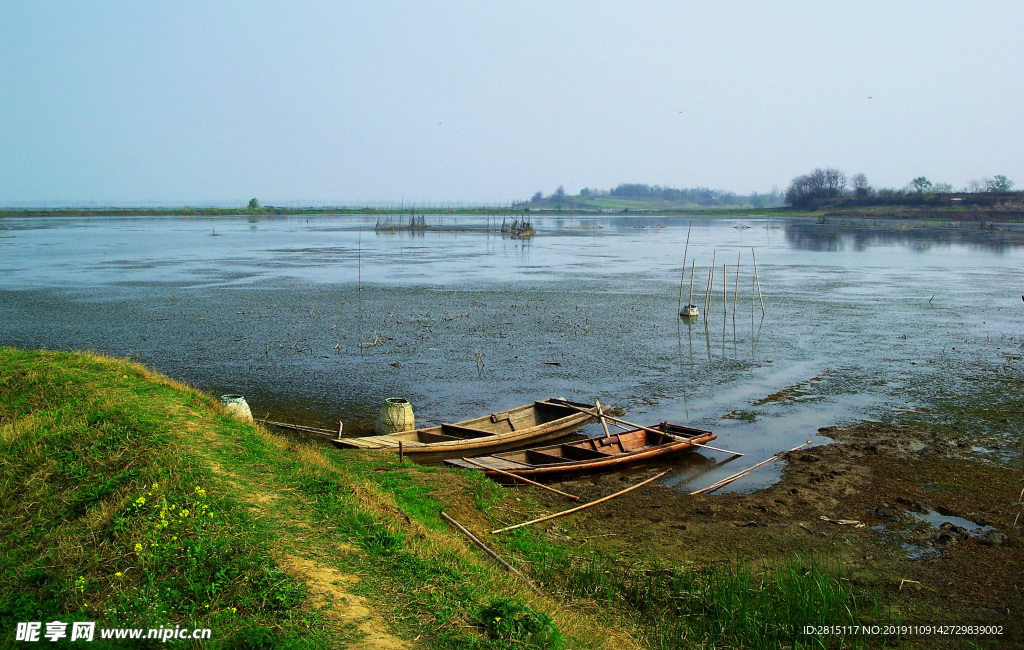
(808, 458)
(886, 511)
(915, 506)
(993, 538)
(953, 530)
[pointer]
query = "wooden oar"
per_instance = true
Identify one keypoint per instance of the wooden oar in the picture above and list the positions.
(520, 478)
(730, 479)
(601, 417)
(637, 426)
(583, 507)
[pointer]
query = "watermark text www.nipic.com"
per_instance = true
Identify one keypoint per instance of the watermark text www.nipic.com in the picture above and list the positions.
(35, 631)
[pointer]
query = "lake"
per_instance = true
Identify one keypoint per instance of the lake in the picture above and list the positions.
(320, 318)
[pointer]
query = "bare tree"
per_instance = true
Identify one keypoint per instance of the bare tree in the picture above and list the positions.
(819, 184)
(861, 188)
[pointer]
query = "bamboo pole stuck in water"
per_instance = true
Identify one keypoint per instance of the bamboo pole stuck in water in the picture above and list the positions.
(473, 538)
(707, 293)
(693, 266)
(736, 289)
(583, 507)
(737, 475)
(757, 280)
(725, 294)
(520, 478)
(711, 284)
(682, 277)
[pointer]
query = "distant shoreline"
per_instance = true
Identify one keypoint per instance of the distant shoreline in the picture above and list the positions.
(898, 212)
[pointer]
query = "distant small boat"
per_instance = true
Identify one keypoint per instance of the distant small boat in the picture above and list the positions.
(689, 311)
(606, 453)
(537, 422)
(522, 229)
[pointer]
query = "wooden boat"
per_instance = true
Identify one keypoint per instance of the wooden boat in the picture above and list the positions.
(689, 311)
(610, 452)
(538, 422)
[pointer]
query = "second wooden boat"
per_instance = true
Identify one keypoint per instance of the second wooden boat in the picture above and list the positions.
(606, 453)
(538, 422)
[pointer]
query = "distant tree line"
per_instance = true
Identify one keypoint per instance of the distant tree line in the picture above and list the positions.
(829, 186)
(702, 196)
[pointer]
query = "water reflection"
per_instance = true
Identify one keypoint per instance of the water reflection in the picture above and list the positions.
(915, 236)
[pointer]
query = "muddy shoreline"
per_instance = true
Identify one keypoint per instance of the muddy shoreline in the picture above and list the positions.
(864, 500)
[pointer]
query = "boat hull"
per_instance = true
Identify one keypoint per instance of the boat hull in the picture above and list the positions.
(607, 453)
(541, 421)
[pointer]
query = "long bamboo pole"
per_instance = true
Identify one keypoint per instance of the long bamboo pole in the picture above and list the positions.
(473, 538)
(711, 283)
(693, 266)
(639, 426)
(583, 507)
(725, 293)
(736, 289)
(757, 280)
(730, 479)
(706, 300)
(520, 478)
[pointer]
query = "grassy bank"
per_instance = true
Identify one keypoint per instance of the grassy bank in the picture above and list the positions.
(133, 501)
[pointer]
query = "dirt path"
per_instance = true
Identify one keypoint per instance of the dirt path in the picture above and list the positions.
(308, 552)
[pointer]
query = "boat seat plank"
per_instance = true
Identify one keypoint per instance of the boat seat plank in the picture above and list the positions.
(541, 458)
(572, 452)
(464, 432)
(504, 464)
(430, 436)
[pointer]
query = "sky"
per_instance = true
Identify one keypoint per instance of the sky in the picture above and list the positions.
(342, 103)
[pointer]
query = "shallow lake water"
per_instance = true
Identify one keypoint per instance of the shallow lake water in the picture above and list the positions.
(320, 318)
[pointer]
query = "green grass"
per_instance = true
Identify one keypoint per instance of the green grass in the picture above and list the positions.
(132, 501)
(106, 515)
(740, 604)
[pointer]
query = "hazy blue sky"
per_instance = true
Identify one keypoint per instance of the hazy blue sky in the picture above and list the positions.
(491, 101)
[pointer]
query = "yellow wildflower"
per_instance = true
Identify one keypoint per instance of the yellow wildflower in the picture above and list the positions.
(138, 548)
(118, 574)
